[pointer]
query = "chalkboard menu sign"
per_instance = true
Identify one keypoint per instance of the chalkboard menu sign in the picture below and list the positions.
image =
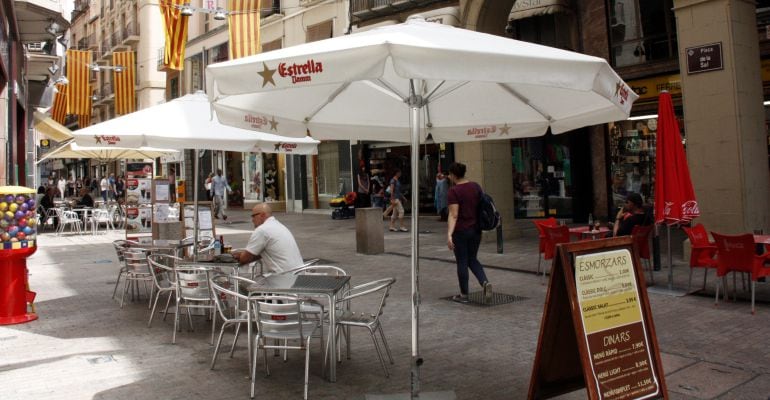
(610, 346)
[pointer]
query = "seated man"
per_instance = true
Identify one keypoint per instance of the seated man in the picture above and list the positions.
(85, 199)
(631, 215)
(271, 241)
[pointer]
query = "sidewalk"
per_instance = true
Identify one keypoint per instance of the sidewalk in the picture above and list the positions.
(85, 347)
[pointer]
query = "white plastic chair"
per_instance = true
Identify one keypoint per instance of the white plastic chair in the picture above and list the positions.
(162, 271)
(99, 217)
(137, 270)
(234, 308)
(70, 218)
(193, 291)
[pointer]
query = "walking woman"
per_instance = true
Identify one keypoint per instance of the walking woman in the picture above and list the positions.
(463, 233)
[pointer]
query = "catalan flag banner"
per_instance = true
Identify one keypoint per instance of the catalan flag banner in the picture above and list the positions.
(79, 93)
(123, 82)
(244, 27)
(175, 28)
(84, 120)
(59, 109)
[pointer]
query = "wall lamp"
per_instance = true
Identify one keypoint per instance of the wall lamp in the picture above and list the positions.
(53, 68)
(97, 67)
(220, 14)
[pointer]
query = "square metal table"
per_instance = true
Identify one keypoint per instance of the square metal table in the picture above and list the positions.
(320, 285)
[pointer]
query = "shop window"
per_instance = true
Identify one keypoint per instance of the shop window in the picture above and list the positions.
(329, 169)
(218, 54)
(253, 180)
(642, 31)
(321, 31)
(542, 177)
(549, 30)
(632, 159)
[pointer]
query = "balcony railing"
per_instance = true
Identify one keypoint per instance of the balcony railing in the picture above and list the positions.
(106, 44)
(83, 44)
(131, 29)
(367, 9)
(270, 7)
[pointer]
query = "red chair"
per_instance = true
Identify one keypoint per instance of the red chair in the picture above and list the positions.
(540, 224)
(702, 252)
(641, 236)
(737, 254)
(554, 235)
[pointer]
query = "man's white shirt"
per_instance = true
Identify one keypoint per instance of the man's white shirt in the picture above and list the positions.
(275, 243)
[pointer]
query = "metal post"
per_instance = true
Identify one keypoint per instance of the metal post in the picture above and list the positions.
(670, 264)
(499, 230)
(415, 103)
(196, 161)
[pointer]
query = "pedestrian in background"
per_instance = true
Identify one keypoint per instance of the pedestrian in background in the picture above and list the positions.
(440, 196)
(463, 232)
(396, 201)
(207, 185)
(364, 188)
(218, 187)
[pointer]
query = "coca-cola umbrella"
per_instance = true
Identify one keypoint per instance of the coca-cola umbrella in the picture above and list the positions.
(675, 202)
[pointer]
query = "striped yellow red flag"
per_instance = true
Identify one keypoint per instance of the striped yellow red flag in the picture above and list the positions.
(123, 82)
(59, 109)
(175, 28)
(244, 24)
(79, 93)
(84, 120)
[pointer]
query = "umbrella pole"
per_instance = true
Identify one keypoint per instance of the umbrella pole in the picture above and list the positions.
(196, 162)
(670, 263)
(415, 103)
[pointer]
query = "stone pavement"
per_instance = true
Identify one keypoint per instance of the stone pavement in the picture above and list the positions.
(85, 347)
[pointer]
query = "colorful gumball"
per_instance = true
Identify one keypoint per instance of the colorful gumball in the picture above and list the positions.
(5, 236)
(3, 206)
(4, 224)
(21, 236)
(31, 221)
(20, 214)
(27, 230)
(31, 203)
(13, 207)
(22, 222)
(13, 230)
(24, 206)
(20, 199)
(30, 213)
(10, 198)
(9, 215)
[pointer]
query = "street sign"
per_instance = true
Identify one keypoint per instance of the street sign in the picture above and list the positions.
(707, 57)
(597, 329)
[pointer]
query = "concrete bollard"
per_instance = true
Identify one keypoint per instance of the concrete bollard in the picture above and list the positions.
(370, 238)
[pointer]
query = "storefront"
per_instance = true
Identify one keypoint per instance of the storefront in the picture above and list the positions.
(263, 177)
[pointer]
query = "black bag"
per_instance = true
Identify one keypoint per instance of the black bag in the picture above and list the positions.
(488, 218)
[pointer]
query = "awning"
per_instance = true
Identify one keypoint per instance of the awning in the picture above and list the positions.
(533, 8)
(50, 128)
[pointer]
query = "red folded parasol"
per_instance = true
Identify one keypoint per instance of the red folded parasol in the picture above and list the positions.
(674, 197)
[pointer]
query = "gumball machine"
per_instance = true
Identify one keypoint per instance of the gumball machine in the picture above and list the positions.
(18, 240)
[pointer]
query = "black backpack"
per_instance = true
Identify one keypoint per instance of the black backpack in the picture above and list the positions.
(488, 218)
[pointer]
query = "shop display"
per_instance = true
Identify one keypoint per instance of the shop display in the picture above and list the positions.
(632, 156)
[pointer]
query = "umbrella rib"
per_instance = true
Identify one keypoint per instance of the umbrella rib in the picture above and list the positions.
(393, 91)
(449, 90)
(328, 101)
(526, 101)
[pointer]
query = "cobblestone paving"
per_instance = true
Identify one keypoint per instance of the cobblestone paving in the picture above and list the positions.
(85, 347)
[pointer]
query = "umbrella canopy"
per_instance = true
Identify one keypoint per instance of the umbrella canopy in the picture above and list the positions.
(104, 153)
(186, 123)
(474, 86)
(50, 128)
(674, 196)
(379, 84)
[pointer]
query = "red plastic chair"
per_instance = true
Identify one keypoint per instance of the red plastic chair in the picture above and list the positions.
(554, 235)
(540, 224)
(702, 252)
(737, 254)
(641, 236)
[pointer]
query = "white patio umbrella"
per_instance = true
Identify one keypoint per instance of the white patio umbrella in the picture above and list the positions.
(378, 84)
(71, 149)
(188, 123)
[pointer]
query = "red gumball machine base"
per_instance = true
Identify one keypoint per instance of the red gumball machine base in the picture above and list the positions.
(14, 294)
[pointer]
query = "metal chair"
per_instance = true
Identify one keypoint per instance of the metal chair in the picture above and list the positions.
(120, 247)
(193, 291)
(368, 320)
(233, 307)
(702, 252)
(137, 270)
(99, 217)
(162, 270)
(737, 254)
(70, 218)
(280, 318)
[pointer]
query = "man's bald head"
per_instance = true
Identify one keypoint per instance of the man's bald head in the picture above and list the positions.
(260, 213)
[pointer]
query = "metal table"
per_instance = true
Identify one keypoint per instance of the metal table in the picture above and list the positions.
(319, 285)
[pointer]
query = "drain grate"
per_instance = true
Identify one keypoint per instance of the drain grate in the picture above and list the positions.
(477, 299)
(100, 360)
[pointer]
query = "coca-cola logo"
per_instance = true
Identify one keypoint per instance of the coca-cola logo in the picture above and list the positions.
(621, 92)
(286, 147)
(106, 139)
(300, 72)
(690, 209)
(667, 207)
(481, 132)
